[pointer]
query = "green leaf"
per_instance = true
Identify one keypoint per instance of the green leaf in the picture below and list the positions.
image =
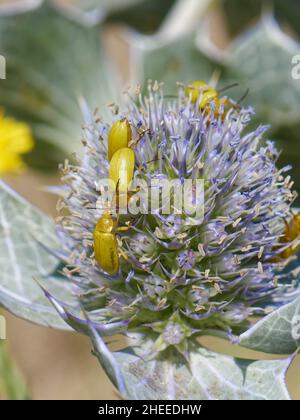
(261, 61)
(73, 316)
(146, 16)
(207, 376)
(173, 53)
(23, 259)
(11, 382)
(238, 18)
(172, 61)
(108, 361)
(288, 13)
(277, 333)
(91, 12)
(51, 63)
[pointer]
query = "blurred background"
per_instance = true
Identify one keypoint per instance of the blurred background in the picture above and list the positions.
(57, 51)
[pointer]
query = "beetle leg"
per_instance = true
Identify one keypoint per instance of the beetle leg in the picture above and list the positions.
(135, 141)
(123, 228)
(230, 103)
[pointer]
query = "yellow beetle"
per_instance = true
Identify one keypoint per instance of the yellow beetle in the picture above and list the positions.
(209, 95)
(194, 88)
(122, 168)
(292, 232)
(105, 240)
(106, 245)
(119, 136)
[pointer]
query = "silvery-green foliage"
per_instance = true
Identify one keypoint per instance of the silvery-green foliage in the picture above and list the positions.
(206, 375)
(34, 254)
(287, 13)
(277, 333)
(25, 235)
(168, 288)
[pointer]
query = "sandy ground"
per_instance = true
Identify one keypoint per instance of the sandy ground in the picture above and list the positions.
(57, 365)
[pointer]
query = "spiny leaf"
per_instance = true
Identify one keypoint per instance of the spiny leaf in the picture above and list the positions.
(146, 16)
(73, 316)
(22, 259)
(91, 12)
(108, 361)
(238, 18)
(261, 61)
(207, 376)
(169, 62)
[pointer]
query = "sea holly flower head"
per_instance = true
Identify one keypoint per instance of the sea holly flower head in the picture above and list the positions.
(170, 274)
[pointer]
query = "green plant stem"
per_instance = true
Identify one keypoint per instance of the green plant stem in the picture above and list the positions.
(12, 385)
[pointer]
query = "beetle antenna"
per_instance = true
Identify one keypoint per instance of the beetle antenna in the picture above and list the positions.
(243, 97)
(228, 87)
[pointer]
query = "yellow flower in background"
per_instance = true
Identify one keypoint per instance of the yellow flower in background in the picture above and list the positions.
(15, 140)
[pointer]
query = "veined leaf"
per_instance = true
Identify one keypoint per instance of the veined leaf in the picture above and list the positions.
(277, 333)
(171, 54)
(22, 259)
(91, 12)
(144, 16)
(207, 376)
(261, 60)
(238, 18)
(172, 61)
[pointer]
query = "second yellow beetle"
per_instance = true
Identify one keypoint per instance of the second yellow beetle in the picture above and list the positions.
(292, 232)
(208, 96)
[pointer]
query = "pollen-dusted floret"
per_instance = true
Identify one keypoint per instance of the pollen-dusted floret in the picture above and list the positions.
(179, 276)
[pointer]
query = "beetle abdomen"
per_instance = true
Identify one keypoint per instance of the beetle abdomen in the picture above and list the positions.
(119, 137)
(122, 168)
(106, 251)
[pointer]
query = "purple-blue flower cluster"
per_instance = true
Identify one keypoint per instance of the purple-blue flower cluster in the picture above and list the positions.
(177, 274)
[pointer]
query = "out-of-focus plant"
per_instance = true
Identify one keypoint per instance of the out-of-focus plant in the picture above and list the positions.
(203, 279)
(15, 140)
(64, 58)
(55, 57)
(165, 280)
(12, 385)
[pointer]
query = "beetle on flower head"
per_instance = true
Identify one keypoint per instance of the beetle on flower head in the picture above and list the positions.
(171, 278)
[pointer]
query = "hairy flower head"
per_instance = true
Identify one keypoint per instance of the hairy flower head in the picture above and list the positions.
(179, 276)
(15, 140)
